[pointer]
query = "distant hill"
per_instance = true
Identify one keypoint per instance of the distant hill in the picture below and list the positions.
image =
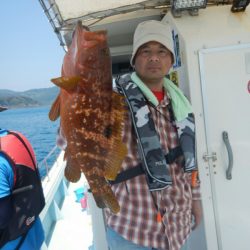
(29, 98)
(44, 96)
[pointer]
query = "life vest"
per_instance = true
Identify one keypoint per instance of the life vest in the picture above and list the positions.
(154, 164)
(27, 194)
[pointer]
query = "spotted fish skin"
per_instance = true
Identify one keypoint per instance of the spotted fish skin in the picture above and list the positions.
(91, 115)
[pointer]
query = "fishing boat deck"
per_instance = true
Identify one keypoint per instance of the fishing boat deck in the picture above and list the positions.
(74, 229)
(66, 224)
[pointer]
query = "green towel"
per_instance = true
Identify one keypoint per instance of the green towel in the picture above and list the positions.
(181, 105)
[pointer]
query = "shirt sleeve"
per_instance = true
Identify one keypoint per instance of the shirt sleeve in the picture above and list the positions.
(6, 177)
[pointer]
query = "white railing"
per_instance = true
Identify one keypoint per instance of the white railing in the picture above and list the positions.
(44, 163)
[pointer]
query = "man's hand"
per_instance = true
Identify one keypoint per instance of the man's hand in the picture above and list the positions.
(196, 212)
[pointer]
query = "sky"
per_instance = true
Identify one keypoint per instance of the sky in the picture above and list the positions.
(30, 52)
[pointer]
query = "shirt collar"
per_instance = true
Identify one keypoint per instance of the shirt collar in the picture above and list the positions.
(148, 93)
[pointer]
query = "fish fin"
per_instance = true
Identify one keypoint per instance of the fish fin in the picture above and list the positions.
(54, 112)
(114, 160)
(72, 172)
(66, 83)
(118, 149)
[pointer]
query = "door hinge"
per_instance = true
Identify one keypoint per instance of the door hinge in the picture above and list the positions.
(212, 156)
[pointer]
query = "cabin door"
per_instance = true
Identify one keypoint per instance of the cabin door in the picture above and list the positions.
(225, 79)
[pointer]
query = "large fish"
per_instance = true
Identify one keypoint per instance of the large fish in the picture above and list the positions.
(91, 115)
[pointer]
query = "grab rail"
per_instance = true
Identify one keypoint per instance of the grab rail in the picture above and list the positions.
(44, 162)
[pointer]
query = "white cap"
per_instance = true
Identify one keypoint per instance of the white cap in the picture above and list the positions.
(149, 31)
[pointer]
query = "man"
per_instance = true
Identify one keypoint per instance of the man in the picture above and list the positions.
(21, 195)
(157, 189)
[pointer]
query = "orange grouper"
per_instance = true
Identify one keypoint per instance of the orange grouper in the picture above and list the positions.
(91, 115)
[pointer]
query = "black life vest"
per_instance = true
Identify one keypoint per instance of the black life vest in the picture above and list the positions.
(27, 195)
(154, 164)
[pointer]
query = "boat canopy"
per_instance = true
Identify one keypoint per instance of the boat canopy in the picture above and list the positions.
(64, 14)
(118, 17)
(89, 9)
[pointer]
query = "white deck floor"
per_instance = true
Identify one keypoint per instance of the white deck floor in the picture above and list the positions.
(74, 230)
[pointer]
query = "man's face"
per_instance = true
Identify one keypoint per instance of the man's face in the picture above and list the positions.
(152, 62)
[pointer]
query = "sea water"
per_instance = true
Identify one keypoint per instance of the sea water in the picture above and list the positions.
(36, 126)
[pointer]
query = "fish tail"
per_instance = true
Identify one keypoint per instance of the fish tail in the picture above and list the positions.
(99, 200)
(118, 149)
(111, 202)
(102, 192)
(107, 199)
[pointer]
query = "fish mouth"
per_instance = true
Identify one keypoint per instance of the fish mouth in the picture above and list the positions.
(90, 44)
(94, 39)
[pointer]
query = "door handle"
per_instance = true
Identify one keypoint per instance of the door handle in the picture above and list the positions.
(230, 155)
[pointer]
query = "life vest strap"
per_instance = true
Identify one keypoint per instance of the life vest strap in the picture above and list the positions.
(130, 173)
(25, 145)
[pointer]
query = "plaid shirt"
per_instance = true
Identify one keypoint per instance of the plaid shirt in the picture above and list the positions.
(137, 219)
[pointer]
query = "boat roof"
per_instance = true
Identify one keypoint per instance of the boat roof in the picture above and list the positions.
(118, 17)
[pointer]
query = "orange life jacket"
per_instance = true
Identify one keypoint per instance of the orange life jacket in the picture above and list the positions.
(27, 195)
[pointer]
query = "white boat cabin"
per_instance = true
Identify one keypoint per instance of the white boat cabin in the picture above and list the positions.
(212, 67)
